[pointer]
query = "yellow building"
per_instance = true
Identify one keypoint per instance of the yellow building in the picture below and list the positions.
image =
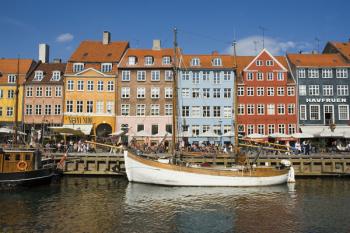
(10, 69)
(90, 86)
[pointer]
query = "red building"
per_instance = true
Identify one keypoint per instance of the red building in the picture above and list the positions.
(266, 95)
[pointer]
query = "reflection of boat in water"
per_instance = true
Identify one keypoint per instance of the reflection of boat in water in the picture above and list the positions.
(24, 167)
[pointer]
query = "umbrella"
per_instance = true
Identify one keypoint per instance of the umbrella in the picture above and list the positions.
(118, 133)
(185, 134)
(330, 134)
(302, 135)
(208, 134)
(11, 131)
(279, 135)
(256, 135)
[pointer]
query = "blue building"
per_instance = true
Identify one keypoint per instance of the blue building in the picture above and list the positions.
(205, 98)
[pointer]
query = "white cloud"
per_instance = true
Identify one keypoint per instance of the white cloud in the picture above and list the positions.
(252, 45)
(65, 37)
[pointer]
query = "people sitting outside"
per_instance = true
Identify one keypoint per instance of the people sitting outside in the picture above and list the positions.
(297, 148)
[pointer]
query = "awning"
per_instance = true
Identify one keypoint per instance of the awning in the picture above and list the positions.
(73, 129)
(208, 134)
(279, 135)
(228, 134)
(118, 133)
(10, 131)
(302, 135)
(256, 135)
(326, 132)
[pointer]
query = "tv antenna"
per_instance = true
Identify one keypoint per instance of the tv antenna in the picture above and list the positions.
(263, 29)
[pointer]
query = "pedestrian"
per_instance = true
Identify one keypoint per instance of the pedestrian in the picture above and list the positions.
(307, 148)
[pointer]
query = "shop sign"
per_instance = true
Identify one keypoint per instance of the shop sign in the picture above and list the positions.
(79, 120)
(326, 100)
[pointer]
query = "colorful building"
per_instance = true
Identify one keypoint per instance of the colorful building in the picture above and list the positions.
(145, 92)
(266, 95)
(10, 70)
(90, 86)
(206, 98)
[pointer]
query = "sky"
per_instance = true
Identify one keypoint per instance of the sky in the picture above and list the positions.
(203, 26)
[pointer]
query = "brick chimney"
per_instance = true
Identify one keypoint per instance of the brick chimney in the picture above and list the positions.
(106, 37)
(44, 53)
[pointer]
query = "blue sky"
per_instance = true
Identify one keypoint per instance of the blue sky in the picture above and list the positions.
(290, 25)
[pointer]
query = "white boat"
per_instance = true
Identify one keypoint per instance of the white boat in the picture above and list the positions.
(143, 170)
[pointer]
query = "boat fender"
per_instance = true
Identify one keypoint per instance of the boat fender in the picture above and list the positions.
(286, 162)
(22, 165)
(291, 175)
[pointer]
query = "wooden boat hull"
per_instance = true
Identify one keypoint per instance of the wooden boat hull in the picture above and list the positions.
(142, 170)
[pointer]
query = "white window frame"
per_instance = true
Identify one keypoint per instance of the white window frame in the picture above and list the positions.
(125, 75)
(78, 67)
(346, 111)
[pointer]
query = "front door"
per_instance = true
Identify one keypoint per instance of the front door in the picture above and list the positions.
(328, 114)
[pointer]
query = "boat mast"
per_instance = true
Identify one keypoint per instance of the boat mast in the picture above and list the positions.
(174, 94)
(235, 104)
(16, 103)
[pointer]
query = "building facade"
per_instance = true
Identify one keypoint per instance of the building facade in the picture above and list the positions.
(266, 96)
(323, 92)
(90, 86)
(145, 92)
(205, 98)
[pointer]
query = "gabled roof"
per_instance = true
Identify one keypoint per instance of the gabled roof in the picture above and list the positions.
(317, 60)
(283, 67)
(10, 66)
(206, 61)
(341, 47)
(93, 71)
(48, 69)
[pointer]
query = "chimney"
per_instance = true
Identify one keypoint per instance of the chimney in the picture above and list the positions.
(106, 37)
(215, 53)
(57, 60)
(44, 53)
(156, 45)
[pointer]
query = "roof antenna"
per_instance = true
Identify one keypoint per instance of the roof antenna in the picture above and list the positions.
(263, 29)
(317, 44)
(255, 46)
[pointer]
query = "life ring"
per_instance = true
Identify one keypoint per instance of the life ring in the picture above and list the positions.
(22, 165)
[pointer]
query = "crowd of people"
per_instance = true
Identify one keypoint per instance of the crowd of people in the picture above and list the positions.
(71, 146)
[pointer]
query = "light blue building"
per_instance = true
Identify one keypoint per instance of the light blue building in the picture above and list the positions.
(205, 98)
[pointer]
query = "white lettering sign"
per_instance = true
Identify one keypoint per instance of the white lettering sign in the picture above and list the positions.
(326, 100)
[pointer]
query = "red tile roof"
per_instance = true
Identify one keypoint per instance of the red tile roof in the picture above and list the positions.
(342, 47)
(317, 60)
(9, 66)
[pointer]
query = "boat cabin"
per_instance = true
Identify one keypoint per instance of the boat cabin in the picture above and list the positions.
(16, 160)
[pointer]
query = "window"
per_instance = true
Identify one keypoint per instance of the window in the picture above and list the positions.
(140, 110)
(327, 90)
(154, 129)
(227, 75)
(342, 73)
(206, 92)
(29, 109)
(39, 91)
(168, 109)
(291, 109)
(195, 77)
(9, 111)
(168, 75)
(227, 92)
(282, 128)
(185, 75)
(10, 94)
(148, 60)
(216, 78)
(260, 76)
(227, 128)
(270, 109)
(250, 109)
(110, 86)
(270, 76)
(141, 75)
(29, 91)
(227, 111)
(11, 78)
(261, 129)
(206, 128)
(301, 73)
(269, 63)
(259, 62)
(89, 106)
(314, 112)
(125, 109)
(327, 73)
(166, 60)
(313, 73)
(125, 93)
(48, 91)
(169, 128)
(280, 76)
(126, 75)
(314, 90)
(155, 92)
(141, 92)
(47, 109)
(77, 67)
(195, 61)
(250, 76)
(79, 106)
(217, 129)
(250, 129)
(70, 85)
(260, 91)
(57, 109)
(216, 92)
(302, 90)
(206, 111)
(110, 107)
(291, 128)
(271, 129)
(185, 111)
(69, 105)
(241, 129)
(90, 85)
(185, 92)
(195, 130)
(80, 85)
(37, 109)
(58, 91)
(290, 91)
(280, 109)
(106, 67)
(303, 112)
(196, 111)
(195, 93)
(132, 60)
(261, 109)
(206, 75)
(1, 93)
(240, 91)
(343, 112)
(216, 111)
(250, 91)
(99, 85)
(240, 109)
(342, 90)
(168, 92)
(38, 75)
(155, 75)
(280, 91)
(270, 91)
(140, 128)
(217, 62)
(155, 110)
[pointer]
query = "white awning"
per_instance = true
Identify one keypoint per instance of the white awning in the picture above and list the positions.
(10, 131)
(302, 135)
(208, 134)
(279, 135)
(325, 131)
(73, 129)
(256, 135)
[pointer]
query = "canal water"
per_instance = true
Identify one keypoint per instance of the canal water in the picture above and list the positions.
(86, 204)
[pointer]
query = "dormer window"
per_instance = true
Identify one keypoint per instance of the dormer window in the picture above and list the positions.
(56, 75)
(217, 62)
(11, 78)
(195, 61)
(106, 67)
(132, 60)
(39, 75)
(166, 60)
(77, 67)
(149, 60)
